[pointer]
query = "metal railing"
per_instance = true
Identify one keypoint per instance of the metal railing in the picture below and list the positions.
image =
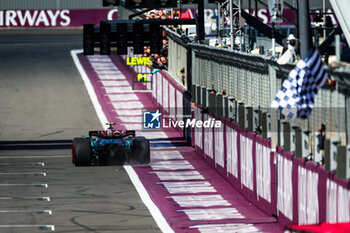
(255, 80)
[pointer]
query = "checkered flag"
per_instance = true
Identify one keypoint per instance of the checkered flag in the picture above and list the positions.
(296, 97)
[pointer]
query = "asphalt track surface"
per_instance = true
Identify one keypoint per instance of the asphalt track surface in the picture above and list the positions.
(43, 105)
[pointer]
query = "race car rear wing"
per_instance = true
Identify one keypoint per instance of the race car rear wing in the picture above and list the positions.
(107, 134)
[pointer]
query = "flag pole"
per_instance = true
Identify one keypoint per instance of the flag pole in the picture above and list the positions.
(304, 28)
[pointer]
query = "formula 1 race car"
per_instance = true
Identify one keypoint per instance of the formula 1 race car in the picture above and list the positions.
(110, 147)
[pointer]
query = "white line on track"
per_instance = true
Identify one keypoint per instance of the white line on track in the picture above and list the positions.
(34, 185)
(157, 215)
(34, 157)
(34, 164)
(49, 212)
(26, 173)
(154, 210)
(40, 227)
(26, 198)
(90, 89)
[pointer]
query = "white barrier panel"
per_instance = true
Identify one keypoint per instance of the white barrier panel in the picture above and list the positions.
(172, 105)
(246, 162)
(338, 202)
(154, 87)
(232, 158)
(159, 89)
(208, 139)
(198, 130)
(343, 204)
(165, 95)
(219, 146)
(285, 187)
(331, 201)
(308, 209)
(263, 172)
(179, 105)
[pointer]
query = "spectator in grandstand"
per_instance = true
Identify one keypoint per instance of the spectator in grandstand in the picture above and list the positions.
(321, 136)
(164, 52)
(182, 71)
(292, 43)
(164, 60)
(159, 61)
(212, 91)
(160, 13)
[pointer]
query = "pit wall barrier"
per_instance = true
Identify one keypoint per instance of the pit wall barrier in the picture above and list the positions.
(167, 95)
(293, 189)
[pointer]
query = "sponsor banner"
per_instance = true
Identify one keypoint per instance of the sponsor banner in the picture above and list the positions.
(263, 14)
(55, 18)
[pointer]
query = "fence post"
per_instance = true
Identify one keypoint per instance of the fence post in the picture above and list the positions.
(204, 99)
(198, 95)
(194, 94)
(249, 119)
(187, 115)
(330, 154)
(219, 105)
(287, 137)
(273, 84)
(302, 143)
(266, 125)
(231, 108)
(241, 114)
(343, 162)
(253, 119)
(189, 67)
(212, 103)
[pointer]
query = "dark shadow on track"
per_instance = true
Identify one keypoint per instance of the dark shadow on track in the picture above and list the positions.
(36, 145)
(168, 142)
(67, 144)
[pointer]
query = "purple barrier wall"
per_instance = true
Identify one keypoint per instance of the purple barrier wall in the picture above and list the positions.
(242, 158)
(297, 191)
(55, 18)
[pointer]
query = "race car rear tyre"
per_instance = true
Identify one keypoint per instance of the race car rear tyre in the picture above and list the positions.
(82, 152)
(73, 152)
(140, 152)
